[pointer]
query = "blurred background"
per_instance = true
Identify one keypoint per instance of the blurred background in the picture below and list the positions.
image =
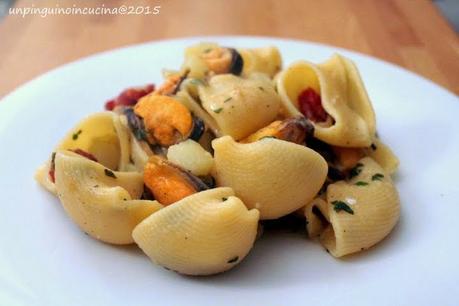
(420, 35)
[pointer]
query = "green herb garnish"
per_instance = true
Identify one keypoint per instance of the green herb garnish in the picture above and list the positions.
(224, 199)
(218, 110)
(361, 183)
(227, 99)
(356, 170)
(109, 173)
(75, 135)
(377, 177)
(373, 147)
(234, 259)
(207, 50)
(340, 205)
(261, 88)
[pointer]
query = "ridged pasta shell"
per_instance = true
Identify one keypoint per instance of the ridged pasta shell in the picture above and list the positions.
(104, 204)
(275, 176)
(205, 233)
(374, 210)
(343, 97)
(240, 106)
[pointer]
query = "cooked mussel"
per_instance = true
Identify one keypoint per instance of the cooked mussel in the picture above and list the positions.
(169, 183)
(347, 158)
(166, 120)
(172, 84)
(223, 60)
(292, 129)
(135, 124)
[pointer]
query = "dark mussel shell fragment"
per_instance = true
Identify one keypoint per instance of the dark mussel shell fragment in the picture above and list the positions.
(237, 63)
(295, 130)
(198, 128)
(136, 124)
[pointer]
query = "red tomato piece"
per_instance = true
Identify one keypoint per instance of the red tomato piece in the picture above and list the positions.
(310, 105)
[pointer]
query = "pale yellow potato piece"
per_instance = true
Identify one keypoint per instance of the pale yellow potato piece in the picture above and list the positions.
(191, 156)
(275, 176)
(105, 207)
(375, 207)
(205, 233)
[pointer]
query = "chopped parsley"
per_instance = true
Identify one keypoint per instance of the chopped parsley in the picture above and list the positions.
(227, 99)
(233, 260)
(356, 170)
(109, 173)
(75, 135)
(261, 88)
(340, 205)
(361, 183)
(377, 177)
(224, 199)
(207, 50)
(218, 110)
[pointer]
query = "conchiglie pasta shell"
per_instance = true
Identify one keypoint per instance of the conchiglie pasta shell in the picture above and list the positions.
(240, 106)
(101, 134)
(124, 137)
(265, 60)
(276, 177)
(105, 207)
(343, 97)
(205, 233)
(376, 210)
(43, 178)
(186, 99)
(383, 155)
(98, 136)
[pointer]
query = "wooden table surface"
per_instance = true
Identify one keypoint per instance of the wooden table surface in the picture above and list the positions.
(410, 33)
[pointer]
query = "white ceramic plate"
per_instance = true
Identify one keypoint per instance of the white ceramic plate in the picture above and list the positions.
(46, 260)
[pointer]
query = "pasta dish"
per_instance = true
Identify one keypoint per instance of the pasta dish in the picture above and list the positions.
(190, 170)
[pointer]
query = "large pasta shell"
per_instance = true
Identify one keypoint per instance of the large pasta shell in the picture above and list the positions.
(103, 135)
(373, 209)
(205, 233)
(95, 134)
(275, 176)
(240, 106)
(343, 97)
(103, 203)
